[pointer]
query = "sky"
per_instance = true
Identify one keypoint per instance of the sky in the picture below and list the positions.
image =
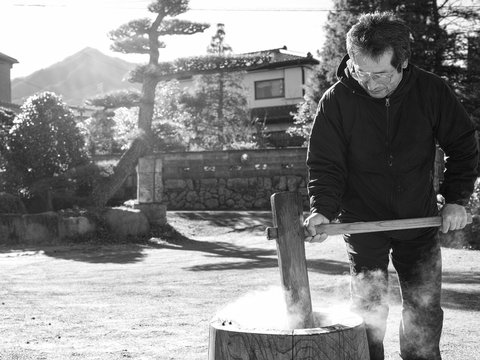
(40, 33)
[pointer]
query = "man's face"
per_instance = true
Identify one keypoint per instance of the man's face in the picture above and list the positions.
(378, 78)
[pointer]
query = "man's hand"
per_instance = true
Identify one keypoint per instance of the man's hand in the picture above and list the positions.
(309, 227)
(454, 217)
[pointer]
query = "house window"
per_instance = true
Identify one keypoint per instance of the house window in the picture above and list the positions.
(268, 89)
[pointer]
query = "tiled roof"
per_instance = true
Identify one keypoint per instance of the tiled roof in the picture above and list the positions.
(282, 56)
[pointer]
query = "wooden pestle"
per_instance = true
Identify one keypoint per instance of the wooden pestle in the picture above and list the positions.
(288, 219)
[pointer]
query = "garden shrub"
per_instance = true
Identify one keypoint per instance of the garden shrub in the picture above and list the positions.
(41, 147)
(11, 204)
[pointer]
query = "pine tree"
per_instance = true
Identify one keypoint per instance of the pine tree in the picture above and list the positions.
(220, 118)
(142, 36)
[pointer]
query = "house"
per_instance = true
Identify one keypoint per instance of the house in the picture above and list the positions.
(6, 63)
(274, 90)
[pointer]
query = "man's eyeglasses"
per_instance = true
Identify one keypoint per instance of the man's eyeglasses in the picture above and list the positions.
(363, 76)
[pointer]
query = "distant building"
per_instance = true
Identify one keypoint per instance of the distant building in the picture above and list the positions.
(274, 91)
(6, 63)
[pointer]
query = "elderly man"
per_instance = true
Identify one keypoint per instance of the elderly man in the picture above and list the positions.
(371, 157)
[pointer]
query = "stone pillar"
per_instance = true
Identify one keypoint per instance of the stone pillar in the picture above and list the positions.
(150, 190)
(150, 185)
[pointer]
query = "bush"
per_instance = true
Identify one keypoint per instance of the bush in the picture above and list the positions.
(10, 204)
(43, 144)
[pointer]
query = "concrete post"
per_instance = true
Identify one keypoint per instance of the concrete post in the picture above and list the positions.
(150, 190)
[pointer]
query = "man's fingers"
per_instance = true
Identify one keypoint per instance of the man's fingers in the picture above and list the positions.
(310, 231)
(452, 224)
(454, 217)
(319, 238)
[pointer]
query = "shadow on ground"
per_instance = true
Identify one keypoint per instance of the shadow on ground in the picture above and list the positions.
(222, 256)
(116, 254)
(237, 220)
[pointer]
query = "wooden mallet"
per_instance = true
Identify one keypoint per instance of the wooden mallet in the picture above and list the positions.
(289, 234)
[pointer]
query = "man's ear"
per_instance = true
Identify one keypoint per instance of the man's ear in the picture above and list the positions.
(405, 64)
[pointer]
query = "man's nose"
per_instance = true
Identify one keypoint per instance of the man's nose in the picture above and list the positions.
(372, 85)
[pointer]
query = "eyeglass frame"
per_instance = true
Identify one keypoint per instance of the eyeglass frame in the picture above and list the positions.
(382, 78)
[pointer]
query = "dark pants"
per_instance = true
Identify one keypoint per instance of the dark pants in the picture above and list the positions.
(419, 267)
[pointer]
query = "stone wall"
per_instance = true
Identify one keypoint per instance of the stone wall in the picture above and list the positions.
(223, 180)
(228, 194)
(42, 228)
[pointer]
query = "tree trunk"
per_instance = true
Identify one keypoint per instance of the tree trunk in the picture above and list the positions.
(142, 145)
(104, 191)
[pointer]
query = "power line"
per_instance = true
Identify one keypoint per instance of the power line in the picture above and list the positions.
(135, 7)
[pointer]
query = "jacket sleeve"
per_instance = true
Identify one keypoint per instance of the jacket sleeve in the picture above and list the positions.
(456, 136)
(326, 159)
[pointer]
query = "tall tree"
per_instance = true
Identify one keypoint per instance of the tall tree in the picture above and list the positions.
(142, 36)
(219, 115)
(217, 44)
(441, 33)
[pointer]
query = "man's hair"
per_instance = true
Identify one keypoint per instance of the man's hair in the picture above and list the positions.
(378, 32)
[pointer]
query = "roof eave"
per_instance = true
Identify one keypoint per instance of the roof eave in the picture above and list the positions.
(282, 64)
(8, 58)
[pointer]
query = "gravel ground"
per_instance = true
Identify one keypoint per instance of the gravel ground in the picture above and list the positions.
(155, 300)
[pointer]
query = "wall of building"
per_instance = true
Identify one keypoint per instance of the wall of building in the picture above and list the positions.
(292, 82)
(294, 78)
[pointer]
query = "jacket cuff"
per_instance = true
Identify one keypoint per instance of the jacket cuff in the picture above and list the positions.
(463, 202)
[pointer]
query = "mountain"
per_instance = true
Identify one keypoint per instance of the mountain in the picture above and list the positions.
(79, 77)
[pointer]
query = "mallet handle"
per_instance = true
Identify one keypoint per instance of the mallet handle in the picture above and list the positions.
(384, 225)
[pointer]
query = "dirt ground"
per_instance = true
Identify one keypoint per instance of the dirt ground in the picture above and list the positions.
(156, 300)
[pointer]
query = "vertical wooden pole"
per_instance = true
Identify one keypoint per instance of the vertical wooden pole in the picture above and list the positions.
(287, 213)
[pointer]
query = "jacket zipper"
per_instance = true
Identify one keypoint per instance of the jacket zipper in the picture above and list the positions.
(387, 142)
(391, 194)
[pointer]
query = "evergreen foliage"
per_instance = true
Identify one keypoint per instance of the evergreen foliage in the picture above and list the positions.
(208, 64)
(218, 112)
(168, 122)
(43, 143)
(7, 117)
(99, 129)
(143, 36)
(445, 42)
(116, 99)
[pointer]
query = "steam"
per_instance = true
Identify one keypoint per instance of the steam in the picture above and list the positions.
(259, 309)
(267, 310)
(370, 301)
(421, 324)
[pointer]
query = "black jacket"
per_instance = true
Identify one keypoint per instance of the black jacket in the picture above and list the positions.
(372, 159)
